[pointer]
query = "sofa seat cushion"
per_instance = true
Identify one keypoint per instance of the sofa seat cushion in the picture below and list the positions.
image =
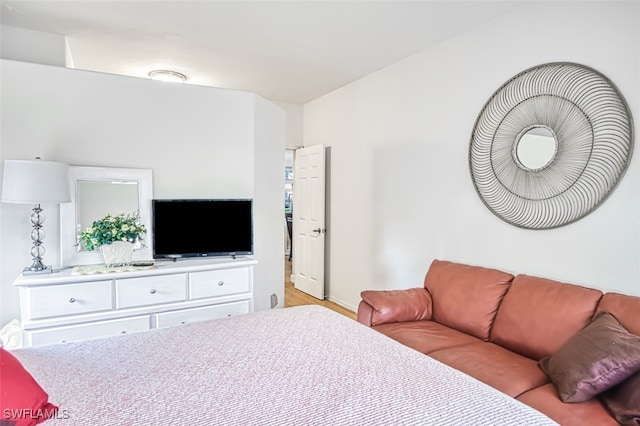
(466, 297)
(496, 366)
(537, 316)
(425, 336)
(546, 400)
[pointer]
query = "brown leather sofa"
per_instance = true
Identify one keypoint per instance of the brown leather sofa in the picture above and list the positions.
(496, 327)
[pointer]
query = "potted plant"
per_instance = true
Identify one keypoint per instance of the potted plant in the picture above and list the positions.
(116, 237)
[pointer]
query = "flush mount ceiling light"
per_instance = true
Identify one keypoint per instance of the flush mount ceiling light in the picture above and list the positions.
(167, 75)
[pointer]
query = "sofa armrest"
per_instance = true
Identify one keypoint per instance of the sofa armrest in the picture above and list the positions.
(384, 306)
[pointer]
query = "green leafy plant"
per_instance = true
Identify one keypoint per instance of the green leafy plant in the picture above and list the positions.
(121, 227)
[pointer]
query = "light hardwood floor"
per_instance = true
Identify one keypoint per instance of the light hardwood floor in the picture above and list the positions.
(294, 297)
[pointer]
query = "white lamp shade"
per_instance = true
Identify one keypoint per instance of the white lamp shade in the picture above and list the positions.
(35, 182)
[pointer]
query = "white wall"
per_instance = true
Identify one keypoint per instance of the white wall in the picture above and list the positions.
(294, 115)
(401, 193)
(20, 44)
(268, 202)
(200, 142)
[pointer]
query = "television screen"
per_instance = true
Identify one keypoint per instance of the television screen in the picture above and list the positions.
(194, 228)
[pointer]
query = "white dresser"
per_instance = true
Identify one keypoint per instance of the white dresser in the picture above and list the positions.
(64, 307)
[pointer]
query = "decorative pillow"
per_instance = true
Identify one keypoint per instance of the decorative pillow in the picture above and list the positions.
(22, 401)
(597, 358)
(623, 401)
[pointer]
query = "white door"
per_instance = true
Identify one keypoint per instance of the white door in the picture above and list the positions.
(308, 220)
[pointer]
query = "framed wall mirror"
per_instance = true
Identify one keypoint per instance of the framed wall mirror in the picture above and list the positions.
(96, 192)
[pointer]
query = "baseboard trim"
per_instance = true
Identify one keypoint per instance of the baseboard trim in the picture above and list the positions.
(342, 303)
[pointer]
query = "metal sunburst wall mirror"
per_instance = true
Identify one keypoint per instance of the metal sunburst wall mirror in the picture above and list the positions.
(550, 145)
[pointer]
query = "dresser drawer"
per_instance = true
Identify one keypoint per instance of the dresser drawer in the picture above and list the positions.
(67, 299)
(218, 283)
(185, 316)
(131, 292)
(85, 331)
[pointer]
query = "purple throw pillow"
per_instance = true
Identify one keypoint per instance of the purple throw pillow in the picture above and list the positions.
(623, 401)
(597, 358)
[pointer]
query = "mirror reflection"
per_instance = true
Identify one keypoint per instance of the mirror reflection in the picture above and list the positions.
(535, 148)
(96, 199)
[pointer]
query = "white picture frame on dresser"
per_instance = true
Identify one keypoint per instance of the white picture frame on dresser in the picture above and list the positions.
(63, 307)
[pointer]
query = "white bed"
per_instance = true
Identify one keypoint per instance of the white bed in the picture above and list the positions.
(295, 366)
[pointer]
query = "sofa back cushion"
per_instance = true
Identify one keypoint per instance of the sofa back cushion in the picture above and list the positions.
(625, 308)
(466, 297)
(538, 315)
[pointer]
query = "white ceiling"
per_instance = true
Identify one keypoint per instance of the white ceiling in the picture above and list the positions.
(290, 51)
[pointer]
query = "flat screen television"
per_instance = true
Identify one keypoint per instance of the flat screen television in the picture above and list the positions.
(202, 227)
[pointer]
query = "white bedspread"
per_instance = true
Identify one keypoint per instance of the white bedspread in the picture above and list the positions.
(295, 366)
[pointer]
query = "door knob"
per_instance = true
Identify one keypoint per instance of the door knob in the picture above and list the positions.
(319, 230)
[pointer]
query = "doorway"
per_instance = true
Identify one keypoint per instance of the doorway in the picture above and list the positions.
(289, 155)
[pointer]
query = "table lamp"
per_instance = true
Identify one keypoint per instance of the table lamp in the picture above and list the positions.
(35, 182)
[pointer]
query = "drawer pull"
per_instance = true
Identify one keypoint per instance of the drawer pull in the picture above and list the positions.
(220, 282)
(123, 332)
(152, 291)
(72, 300)
(182, 322)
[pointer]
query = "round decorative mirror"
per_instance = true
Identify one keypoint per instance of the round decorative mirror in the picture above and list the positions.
(550, 145)
(535, 148)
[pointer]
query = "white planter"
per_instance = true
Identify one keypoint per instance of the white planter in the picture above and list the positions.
(118, 253)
